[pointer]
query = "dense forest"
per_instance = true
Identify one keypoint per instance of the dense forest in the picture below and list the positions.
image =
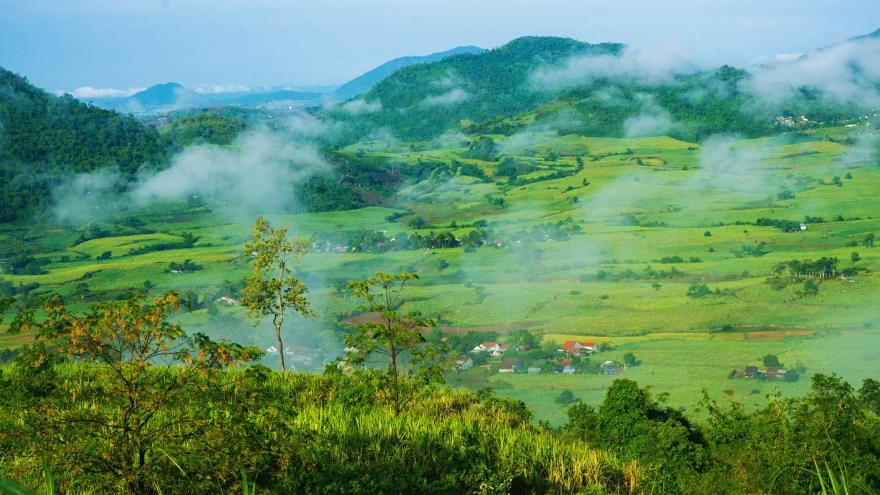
(46, 138)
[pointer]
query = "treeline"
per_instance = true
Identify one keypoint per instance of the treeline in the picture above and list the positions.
(365, 240)
(209, 127)
(47, 138)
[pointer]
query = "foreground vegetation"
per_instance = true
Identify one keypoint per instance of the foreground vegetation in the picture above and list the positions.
(93, 403)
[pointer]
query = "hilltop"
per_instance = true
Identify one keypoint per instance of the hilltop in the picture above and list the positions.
(46, 139)
(366, 81)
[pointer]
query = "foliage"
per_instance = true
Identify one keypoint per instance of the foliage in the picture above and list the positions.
(272, 289)
(138, 371)
(46, 139)
(771, 361)
(394, 336)
(204, 127)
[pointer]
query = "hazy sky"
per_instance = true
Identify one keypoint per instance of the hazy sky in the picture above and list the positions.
(125, 44)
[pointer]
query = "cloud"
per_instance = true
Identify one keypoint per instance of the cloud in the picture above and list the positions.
(652, 121)
(449, 139)
(87, 196)
(90, 92)
(847, 72)
(634, 65)
(219, 88)
(357, 107)
(451, 97)
(726, 164)
(255, 176)
(644, 125)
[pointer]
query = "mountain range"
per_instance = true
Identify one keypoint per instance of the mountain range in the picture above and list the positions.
(173, 96)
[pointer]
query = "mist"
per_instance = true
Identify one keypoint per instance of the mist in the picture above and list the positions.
(255, 175)
(451, 97)
(845, 73)
(648, 67)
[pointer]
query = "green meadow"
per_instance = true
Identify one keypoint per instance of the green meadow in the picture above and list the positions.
(654, 216)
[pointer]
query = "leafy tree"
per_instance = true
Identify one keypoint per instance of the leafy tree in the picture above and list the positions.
(869, 240)
(810, 289)
(524, 338)
(771, 361)
(698, 290)
(565, 398)
(272, 289)
(855, 256)
(143, 369)
(395, 337)
(629, 359)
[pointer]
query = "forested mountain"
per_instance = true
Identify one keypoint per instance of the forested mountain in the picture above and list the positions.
(590, 89)
(45, 139)
(364, 82)
(423, 100)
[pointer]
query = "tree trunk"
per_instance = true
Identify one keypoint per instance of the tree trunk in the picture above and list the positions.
(394, 381)
(278, 321)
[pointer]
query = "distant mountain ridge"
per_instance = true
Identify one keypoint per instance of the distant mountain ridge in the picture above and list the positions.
(366, 81)
(173, 96)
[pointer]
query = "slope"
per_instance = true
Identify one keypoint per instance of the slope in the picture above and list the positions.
(45, 138)
(364, 82)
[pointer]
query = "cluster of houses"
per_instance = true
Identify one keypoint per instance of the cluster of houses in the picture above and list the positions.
(304, 356)
(771, 373)
(493, 348)
(571, 349)
(328, 248)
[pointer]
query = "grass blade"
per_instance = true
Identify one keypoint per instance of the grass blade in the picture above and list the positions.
(8, 487)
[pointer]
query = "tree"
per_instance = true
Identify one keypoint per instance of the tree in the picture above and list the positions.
(629, 359)
(272, 289)
(393, 336)
(855, 256)
(771, 361)
(143, 371)
(565, 398)
(869, 240)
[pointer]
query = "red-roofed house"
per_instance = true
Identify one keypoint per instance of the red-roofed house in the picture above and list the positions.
(579, 348)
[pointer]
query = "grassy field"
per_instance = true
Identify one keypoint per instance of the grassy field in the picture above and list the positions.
(643, 206)
(685, 364)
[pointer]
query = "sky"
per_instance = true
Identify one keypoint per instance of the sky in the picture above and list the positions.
(95, 48)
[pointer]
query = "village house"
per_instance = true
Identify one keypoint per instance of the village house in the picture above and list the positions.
(510, 365)
(533, 370)
(228, 300)
(579, 348)
(297, 353)
(492, 348)
(463, 363)
(610, 368)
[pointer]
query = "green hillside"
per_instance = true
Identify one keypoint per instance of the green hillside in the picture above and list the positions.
(541, 76)
(45, 139)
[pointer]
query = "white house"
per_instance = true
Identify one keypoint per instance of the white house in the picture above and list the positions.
(463, 363)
